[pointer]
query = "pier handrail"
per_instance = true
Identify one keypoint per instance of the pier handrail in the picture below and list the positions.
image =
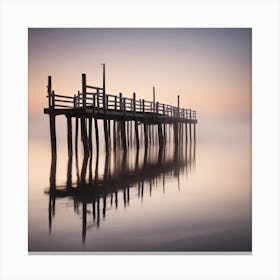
(117, 103)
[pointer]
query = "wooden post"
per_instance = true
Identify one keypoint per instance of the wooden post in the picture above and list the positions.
(90, 134)
(49, 90)
(186, 131)
(53, 99)
(84, 89)
(104, 98)
(105, 126)
(69, 136)
(134, 103)
(176, 133)
(76, 136)
(178, 105)
(114, 134)
(123, 135)
(121, 105)
(154, 98)
(157, 108)
(97, 101)
(122, 123)
(69, 172)
(104, 88)
(84, 227)
(96, 135)
(145, 135)
(136, 134)
(190, 125)
(127, 133)
(52, 117)
(78, 101)
(84, 136)
(164, 133)
(53, 134)
(124, 105)
(160, 136)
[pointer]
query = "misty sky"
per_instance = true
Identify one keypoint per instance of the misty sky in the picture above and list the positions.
(209, 68)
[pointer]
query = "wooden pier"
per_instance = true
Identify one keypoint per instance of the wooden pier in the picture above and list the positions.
(120, 115)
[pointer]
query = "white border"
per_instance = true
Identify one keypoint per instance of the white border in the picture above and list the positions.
(262, 16)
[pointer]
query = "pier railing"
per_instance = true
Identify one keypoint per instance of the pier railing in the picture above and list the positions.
(95, 103)
(101, 102)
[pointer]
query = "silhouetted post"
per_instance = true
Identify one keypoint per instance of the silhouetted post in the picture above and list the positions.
(105, 104)
(49, 88)
(164, 133)
(98, 212)
(93, 210)
(136, 134)
(106, 134)
(145, 135)
(104, 206)
(76, 149)
(52, 117)
(84, 227)
(53, 173)
(90, 134)
(97, 101)
(178, 104)
(84, 88)
(83, 121)
(69, 136)
(128, 195)
(53, 134)
(127, 133)
(84, 170)
(186, 131)
(124, 197)
(84, 136)
(114, 135)
(190, 125)
(154, 98)
(176, 133)
(104, 79)
(96, 135)
(134, 103)
(123, 133)
(160, 136)
(69, 173)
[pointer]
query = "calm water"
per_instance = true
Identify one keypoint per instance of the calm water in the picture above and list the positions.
(196, 197)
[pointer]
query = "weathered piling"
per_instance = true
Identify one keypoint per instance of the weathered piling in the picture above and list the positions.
(76, 136)
(136, 134)
(96, 135)
(53, 134)
(69, 137)
(90, 134)
(51, 102)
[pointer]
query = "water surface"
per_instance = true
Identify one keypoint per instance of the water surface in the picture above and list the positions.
(195, 197)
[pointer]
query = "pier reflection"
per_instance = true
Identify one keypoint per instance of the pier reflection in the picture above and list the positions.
(126, 176)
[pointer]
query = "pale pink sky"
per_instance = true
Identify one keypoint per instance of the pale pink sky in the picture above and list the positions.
(209, 68)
